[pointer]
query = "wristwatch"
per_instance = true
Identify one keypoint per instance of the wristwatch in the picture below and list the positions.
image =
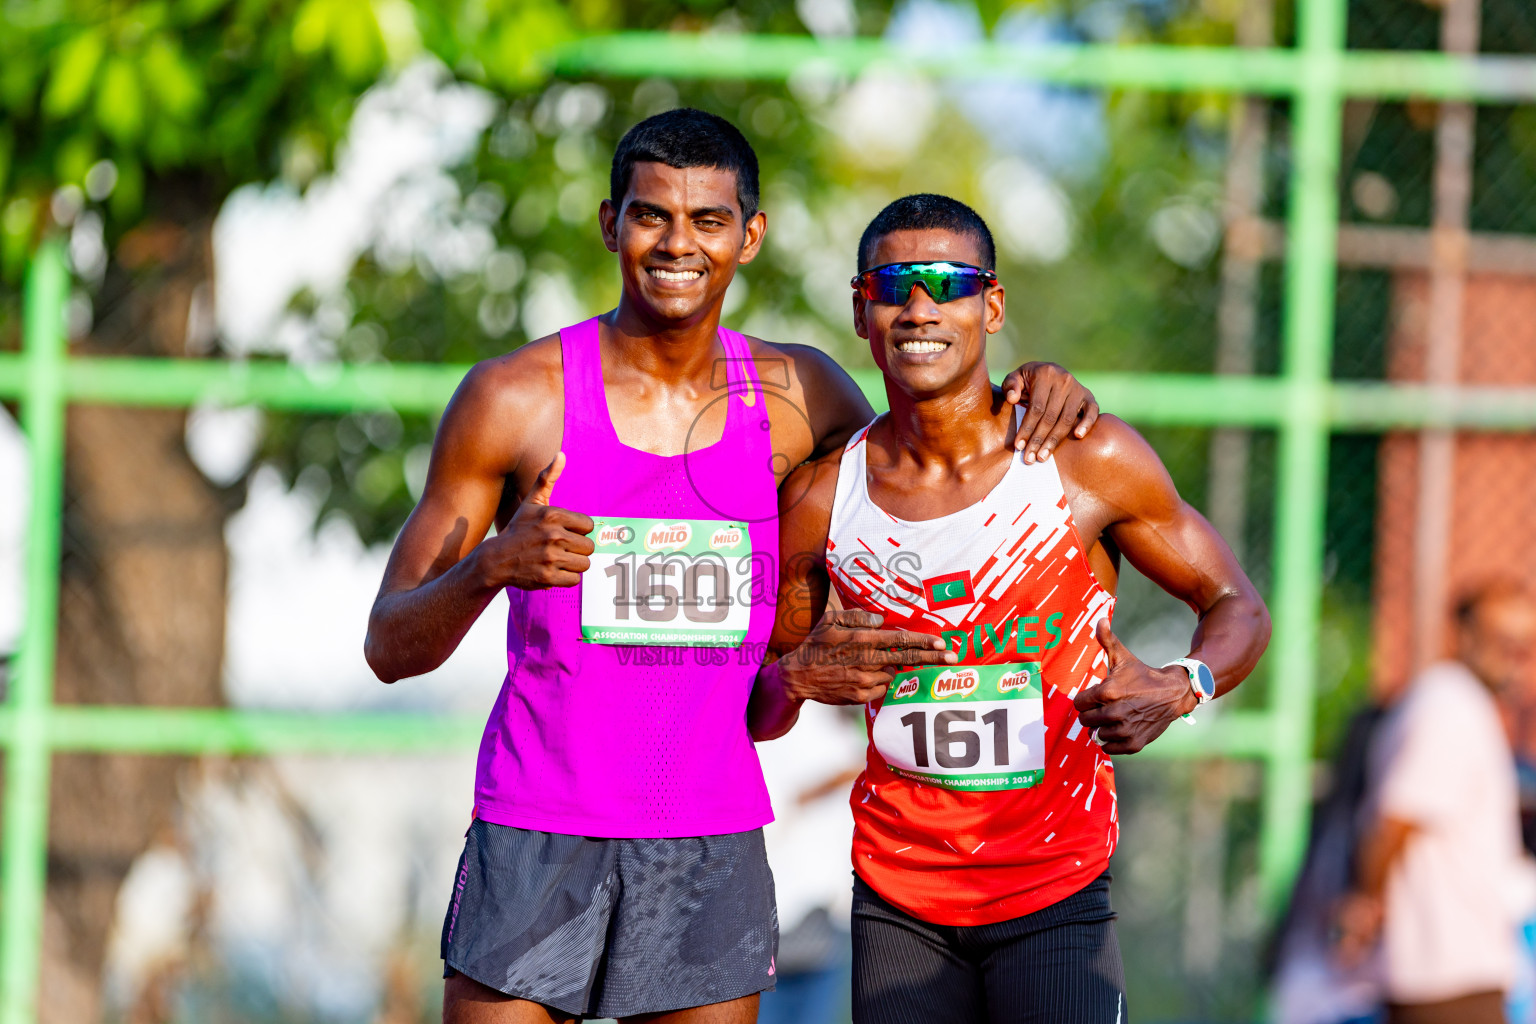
(1201, 680)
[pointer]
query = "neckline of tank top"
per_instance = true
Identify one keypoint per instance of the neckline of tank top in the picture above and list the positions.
(741, 386)
(1016, 463)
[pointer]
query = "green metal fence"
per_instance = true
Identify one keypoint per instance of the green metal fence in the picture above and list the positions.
(1302, 404)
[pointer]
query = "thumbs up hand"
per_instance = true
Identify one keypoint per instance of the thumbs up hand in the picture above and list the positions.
(544, 486)
(543, 546)
(1135, 702)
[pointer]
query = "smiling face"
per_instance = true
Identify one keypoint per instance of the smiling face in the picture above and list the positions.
(680, 236)
(926, 347)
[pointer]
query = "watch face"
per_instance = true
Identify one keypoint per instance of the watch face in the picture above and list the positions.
(1206, 680)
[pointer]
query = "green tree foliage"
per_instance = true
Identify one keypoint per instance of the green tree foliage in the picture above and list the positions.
(230, 90)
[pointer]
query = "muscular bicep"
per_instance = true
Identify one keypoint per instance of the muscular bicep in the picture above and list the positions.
(805, 505)
(441, 530)
(1160, 533)
(1182, 553)
(474, 455)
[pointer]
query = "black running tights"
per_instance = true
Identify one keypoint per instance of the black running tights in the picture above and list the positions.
(1059, 965)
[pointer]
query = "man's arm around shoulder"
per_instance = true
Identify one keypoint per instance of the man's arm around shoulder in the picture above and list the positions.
(805, 509)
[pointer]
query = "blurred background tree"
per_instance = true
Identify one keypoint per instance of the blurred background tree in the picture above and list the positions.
(128, 124)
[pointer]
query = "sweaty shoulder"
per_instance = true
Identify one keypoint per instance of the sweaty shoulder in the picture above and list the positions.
(1113, 476)
(829, 405)
(510, 408)
(800, 367)
(525, 374)
(1112, 459)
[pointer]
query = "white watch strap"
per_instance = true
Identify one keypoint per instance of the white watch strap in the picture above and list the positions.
(1194, 667)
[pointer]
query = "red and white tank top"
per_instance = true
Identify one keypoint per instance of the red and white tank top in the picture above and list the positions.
(984, 798)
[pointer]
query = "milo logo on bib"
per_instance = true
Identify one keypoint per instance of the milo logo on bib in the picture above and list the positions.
(668, 537)
(728, 539)
(1010, 681)
(613, 535)
(971, 727)
(958, 682)
(668, 582)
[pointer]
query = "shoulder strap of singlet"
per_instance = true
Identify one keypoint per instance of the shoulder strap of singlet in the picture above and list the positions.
(849, 495)
(1029, 478)
(740, 368)
(586, 405)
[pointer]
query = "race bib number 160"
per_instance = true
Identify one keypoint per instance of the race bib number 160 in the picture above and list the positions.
(668, 582)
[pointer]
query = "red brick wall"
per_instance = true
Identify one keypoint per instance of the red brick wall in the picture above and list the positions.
(1493, 519)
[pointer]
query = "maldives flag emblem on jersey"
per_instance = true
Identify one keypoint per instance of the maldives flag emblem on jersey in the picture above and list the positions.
(946, 591)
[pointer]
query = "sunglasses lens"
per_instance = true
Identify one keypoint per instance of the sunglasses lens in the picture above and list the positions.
(944, 282)
(950, 286)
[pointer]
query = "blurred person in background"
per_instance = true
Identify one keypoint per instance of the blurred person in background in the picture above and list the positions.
(1520, 708)
(1519, 703)
(1440, 886)
(1311, 984)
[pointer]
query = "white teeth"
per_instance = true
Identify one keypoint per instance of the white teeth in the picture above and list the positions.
(681, 275)
(921, 346)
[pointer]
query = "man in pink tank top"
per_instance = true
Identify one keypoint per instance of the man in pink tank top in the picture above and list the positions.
(629, 466)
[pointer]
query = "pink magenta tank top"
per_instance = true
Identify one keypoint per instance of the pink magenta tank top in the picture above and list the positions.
(639, 741)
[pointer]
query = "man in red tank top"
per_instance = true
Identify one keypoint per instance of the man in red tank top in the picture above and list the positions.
(986, 816)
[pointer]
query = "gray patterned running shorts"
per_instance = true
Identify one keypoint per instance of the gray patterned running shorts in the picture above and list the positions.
(612, 927)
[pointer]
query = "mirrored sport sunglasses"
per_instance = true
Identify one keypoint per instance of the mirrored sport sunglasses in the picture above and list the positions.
(945, 281)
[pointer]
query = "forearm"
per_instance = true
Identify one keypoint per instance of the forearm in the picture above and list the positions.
(1380, 849)
(771, 712)
(1361, 912)
(413, 631)
(1230, 638)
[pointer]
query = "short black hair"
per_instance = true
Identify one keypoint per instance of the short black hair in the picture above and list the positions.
(924, 211)
(686, 137)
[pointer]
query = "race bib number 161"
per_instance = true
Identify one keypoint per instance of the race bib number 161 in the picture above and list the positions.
(668, 582)
(974, 727)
